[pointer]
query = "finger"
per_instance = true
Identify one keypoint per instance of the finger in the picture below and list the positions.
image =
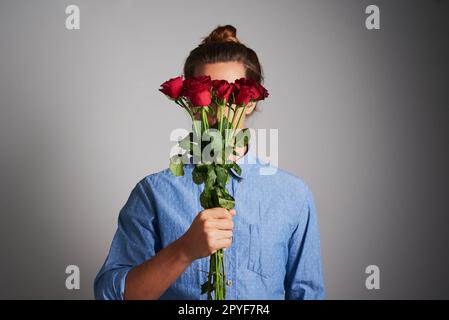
(221, 224)
(229, 214)
(224, 243)
(217, 213)
(222, 234)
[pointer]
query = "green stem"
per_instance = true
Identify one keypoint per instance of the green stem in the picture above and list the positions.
(240, 117)
(217, 282)
(234, 114)
(181, 103)
(220, 125)
(238, 122)
(223, 277)
(233, 129)
(227, 117)
(220, 284)
(228, 135)
(209, 278)
(204, 118)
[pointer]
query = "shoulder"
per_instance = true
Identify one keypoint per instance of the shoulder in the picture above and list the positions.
(281, 179)
(282, 191)
(156, 187)
(164, 177)
(163, 184)
(279, 186)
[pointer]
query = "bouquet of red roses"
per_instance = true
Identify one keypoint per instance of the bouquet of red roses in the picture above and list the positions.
(216, 109)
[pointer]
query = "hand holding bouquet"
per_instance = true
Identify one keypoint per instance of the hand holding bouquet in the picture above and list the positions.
(216, 109)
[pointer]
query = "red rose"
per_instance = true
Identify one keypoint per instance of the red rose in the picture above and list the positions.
(253, 88)
(262, 91)
(246, 82)
(197, 89)
(172, 87)
(223, 89)
(245, 91)
(245, 94)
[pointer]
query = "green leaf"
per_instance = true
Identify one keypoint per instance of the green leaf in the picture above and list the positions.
(225, 203)
(222, 175)
(176, 165)
(221, 198)
(212, 146)
(211, 110)
(242, 137)
(211, 176)
(186, 142)
(236, 168)
(205, 287)
(199, 174)
(224, 199)
(206, 199)
(225, 194)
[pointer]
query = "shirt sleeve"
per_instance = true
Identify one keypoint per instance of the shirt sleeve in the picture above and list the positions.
(304, 280)
(135, 241)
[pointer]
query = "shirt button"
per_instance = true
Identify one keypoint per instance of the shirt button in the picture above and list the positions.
(229, 282)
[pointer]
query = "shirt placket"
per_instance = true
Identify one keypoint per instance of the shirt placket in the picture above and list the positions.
(231, 281)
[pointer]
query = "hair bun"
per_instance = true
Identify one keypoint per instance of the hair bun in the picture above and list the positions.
(225, 33)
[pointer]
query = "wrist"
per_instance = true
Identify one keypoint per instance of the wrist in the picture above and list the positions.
(183, 251)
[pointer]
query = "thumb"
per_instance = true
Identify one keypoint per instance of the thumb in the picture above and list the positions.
(233, 212)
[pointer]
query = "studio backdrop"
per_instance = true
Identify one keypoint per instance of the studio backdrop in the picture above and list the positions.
(360, 103)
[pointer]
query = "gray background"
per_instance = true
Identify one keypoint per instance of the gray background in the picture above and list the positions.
(362, 117)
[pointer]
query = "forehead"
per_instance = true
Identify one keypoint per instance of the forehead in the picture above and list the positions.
(229, 71)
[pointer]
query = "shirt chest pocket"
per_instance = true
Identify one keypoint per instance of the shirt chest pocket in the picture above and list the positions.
(260, 253)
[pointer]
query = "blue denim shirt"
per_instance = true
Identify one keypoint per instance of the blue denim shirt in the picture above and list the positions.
(275, 252)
